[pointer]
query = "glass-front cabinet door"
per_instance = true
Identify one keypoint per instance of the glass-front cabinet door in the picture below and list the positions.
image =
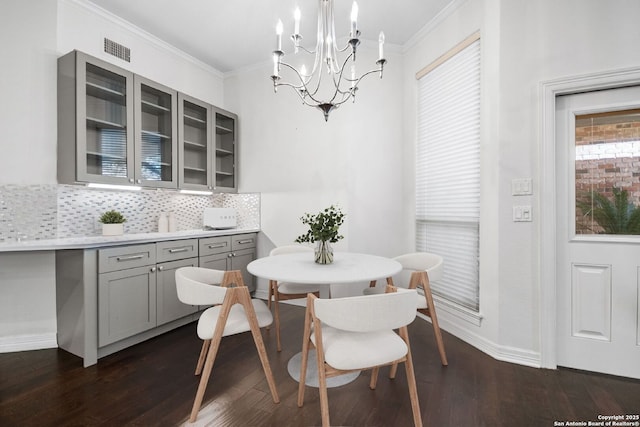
(105, 122)
(225, 151)
(156, 151)
(194, 134)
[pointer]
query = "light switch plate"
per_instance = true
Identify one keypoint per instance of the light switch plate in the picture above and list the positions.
(521, 187)
(522, 214)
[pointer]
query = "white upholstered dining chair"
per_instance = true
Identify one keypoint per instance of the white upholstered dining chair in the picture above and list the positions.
(357, 333)
(233, 312)
(280, 291)
(422, 268)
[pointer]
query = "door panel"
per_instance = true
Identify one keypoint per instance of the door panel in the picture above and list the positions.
(591, 301)
(598, 235)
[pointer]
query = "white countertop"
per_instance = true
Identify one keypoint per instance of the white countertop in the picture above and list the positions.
(104, 241)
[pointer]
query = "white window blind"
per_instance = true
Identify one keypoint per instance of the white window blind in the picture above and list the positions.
(448, 172)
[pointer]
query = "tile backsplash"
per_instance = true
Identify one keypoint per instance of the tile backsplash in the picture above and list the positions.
(34, 212)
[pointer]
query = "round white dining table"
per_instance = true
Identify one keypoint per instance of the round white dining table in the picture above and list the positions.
(300, 267)
(347, 267)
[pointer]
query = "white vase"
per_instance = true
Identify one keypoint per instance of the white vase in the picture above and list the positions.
(112, 229)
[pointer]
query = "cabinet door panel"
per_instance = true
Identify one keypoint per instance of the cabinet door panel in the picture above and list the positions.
(195, 159)
(239, 261)
(226, 172)
(104, 122)
(156, 134)
(169, 306)
(126, 303)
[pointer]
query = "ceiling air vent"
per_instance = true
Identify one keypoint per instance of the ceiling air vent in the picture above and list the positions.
(117, 50)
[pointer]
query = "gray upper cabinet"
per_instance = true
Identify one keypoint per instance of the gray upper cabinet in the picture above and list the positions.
(195, 144)
(95, 121)
(116, 127)
(156, 134)
(226, 173)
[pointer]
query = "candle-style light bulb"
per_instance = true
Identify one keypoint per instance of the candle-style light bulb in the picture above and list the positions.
(296, 20)
(354, 20)
(279, 35)
(329, 48)
(381, 45)
(303, 71)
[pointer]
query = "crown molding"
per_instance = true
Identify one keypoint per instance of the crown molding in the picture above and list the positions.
(432, 24)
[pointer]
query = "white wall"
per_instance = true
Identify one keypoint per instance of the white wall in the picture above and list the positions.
(28, 87)
(301, 164)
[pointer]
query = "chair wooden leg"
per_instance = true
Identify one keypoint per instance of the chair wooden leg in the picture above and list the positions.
(393, 370)
(211, 355)
(203, 356)
(434, 322)
(270, 294)
(276, 310)
(245, 299)
(306, 339)
(411, 380)
(322, 379)
(374, 378)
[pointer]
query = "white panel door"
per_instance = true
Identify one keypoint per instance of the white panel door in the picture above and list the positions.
(598, 239)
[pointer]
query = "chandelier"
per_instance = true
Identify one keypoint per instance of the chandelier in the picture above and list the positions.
(339, 85)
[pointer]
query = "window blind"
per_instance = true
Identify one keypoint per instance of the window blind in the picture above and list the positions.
(448, 172)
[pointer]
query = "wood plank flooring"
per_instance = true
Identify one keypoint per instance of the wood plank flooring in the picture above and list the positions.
(152, 384)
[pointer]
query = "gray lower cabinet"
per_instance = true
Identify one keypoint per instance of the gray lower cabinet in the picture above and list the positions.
(111, 298)
(230, 253)
(126, 292)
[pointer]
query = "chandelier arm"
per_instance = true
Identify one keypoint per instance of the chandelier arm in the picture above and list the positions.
(303, 98)
(311, 52)
(304, 84)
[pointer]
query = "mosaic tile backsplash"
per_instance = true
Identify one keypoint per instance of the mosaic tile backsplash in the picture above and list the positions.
(35, 212)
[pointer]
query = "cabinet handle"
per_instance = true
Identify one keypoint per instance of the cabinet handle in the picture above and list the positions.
(129, 258)
(160, 268)
(153, 269)
(173, 251)
(230, 255)
(219, 245)
(242, 242)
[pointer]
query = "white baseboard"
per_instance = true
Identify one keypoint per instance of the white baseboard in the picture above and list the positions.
(28, 342)
(499, 352)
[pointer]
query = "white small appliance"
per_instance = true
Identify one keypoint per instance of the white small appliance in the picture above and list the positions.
(219, 218)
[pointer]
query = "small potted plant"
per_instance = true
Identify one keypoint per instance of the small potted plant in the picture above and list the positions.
(323, 229)
(112, 223)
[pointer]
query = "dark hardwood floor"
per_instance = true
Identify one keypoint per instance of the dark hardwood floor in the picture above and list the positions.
(153, 384)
